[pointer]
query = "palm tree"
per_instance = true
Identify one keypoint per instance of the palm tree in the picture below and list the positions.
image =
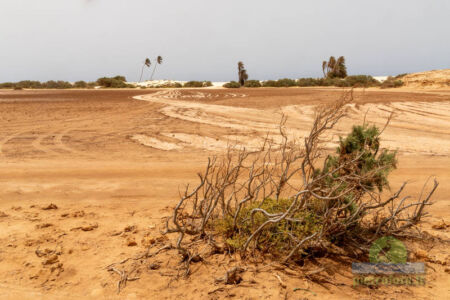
(147, 63)
(331, 67)
(340, 68)
(159, 61)
(324, 66)
(242, 73)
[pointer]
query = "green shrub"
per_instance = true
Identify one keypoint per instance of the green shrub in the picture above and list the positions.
(309, 82)
(365, 165)
(113, 82)
(29, 84)
(170, 85)
(269, 83)
(120, 78)
(51, 84)
(7, 85)
(232, 85)
(80, 84)
(285, 82)
(197, 84)
(361, 81)
(391, 82)
(276, 237)
(252, 83)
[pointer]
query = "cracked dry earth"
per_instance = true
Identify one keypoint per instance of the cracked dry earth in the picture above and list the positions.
(86, 177)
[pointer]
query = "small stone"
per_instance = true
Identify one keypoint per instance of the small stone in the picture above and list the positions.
(147, 241)
(51, 260)
(154, 266)
(86, 227)
(131, 242)
(78, 214)
(131, 228)
(89, 227)
(44, 225)
(50, 206)
(421, 254)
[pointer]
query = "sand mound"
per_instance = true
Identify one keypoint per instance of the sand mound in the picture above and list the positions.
(429, 79)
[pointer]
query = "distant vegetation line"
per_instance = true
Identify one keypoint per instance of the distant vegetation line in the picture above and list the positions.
(334, 74)
(120, 82)
(349, 81)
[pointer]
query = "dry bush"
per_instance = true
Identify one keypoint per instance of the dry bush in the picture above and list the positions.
(294, 197)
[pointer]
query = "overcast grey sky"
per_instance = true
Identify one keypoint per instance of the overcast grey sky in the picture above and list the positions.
(204, 39)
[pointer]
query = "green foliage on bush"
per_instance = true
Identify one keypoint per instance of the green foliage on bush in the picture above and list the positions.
(80, 84)
(120, 78)
(285, 82)
(7, 85)
(361, 81)
(232, 85)
(358, 156)
(363, 146)
(252, 83)
(277, 236)
(391, 82)
(269, 83)
(309, 82)
(170, 85)
(197, 84)
(32, 84)
(51, 84)
(113, 82)
(29, 84)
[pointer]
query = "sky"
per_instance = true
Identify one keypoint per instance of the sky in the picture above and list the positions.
(204, 39)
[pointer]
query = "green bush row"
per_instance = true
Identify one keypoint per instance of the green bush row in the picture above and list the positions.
(349, 81)
(29, 84)
(109, 82)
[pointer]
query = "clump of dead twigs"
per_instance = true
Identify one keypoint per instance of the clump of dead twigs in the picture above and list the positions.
(290, 198)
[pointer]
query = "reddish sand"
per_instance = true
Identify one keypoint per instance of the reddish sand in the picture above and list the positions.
(109, 161)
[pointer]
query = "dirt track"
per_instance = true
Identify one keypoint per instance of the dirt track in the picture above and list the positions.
(108, 161)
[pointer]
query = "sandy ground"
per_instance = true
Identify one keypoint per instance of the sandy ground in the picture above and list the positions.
(112, 163)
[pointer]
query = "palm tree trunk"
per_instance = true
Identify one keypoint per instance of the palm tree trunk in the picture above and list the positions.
(153, 73)
(142, 72)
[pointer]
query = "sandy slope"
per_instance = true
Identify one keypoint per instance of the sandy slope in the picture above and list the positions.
(428, 80)
(112, 165)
